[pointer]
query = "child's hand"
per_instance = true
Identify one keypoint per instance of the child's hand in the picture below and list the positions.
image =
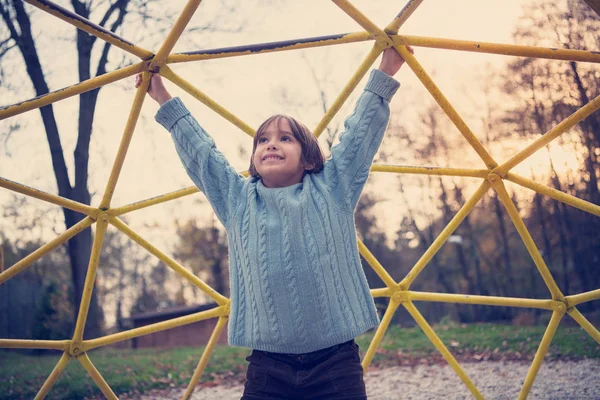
(392, 60)
(156, 90)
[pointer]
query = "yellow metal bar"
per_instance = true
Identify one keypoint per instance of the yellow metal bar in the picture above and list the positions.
(583, 297)
(220, 299)
(35, 344)
(498, 48)
(159, 326)
(403, 169)
(184, 18)
(541, 352)
(45, 249)
(555, 194)
(221, 323)
(272, 47)
(50, 198)
(350, 86)
(446, 106)
(53, 377)
(85, 86)
(594, 5)
(549, 136)
(585, 324)
(89, 27)
(362, 20)
(138, 100)
(96, 376)
(526, 237)
(381, 292)
(210, 103)
(484, 300)
(377, 267)
(90, 278)
(403, 16)
(152, 201)
(444, 235)
(442, 348)
(381, 329)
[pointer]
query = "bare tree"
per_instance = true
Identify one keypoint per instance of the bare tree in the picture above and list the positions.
(16, 35)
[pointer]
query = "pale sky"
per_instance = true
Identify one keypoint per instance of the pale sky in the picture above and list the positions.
(251, 88)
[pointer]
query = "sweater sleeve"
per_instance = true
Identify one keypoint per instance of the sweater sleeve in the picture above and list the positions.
(347, 170)
(206, 166)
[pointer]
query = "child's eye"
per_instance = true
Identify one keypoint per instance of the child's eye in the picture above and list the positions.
(286, 138)
(262, 139)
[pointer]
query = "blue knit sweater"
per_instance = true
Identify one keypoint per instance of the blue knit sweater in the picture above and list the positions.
(296, 280)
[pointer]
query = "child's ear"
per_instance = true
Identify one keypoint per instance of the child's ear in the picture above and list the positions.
(309, 167)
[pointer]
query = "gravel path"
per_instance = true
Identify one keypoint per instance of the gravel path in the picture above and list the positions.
(495, 379)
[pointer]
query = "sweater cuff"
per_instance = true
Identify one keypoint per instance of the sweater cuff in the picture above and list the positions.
(170, 112)
(382, 84)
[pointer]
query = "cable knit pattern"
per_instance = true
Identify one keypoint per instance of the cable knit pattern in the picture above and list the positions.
(294, 264)
(264, 276)
(337, 282)
(291, 281)
(249, 275)
(325, 313)
(237, 320)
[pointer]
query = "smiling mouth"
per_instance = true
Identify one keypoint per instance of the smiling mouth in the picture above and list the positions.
(272, 158)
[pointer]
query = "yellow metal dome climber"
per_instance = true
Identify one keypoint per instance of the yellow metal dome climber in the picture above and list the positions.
(493, 176)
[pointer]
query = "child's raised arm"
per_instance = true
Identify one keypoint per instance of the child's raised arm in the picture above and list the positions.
(347, 170)
(206, 166)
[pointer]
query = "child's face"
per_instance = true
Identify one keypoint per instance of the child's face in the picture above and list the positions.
(278, 156)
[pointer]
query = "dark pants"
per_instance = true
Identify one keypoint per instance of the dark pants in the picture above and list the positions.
(331, 373)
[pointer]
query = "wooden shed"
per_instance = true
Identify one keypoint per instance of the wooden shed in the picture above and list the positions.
(196, 334)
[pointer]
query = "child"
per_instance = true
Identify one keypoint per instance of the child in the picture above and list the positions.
(299, 295)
